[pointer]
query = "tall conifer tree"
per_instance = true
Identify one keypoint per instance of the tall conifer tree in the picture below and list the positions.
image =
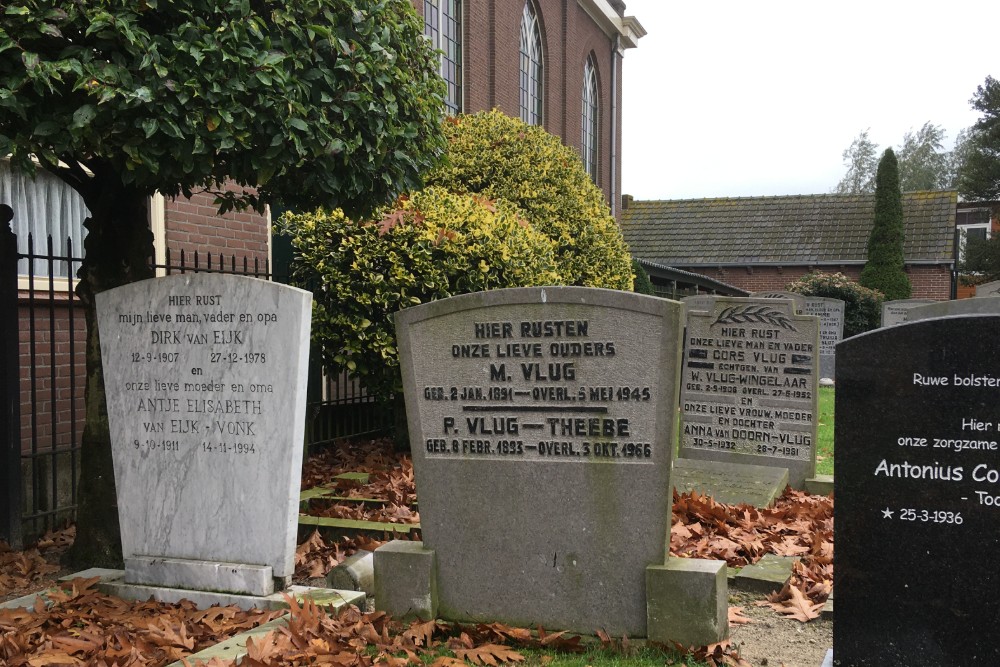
(884, 269)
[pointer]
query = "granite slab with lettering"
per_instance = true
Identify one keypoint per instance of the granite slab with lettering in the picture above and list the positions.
(206, 383)
(541, 423)
(699, 302)
(831, 330)
(895, 312)
(987, 305)
(730, 483)
(988, 289)
(917, 513)
(749, 386)
(794, 297)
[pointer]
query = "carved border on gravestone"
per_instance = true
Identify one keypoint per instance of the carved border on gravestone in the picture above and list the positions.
(541, 424)
(750, 386)
(205, 378)
(794, 297)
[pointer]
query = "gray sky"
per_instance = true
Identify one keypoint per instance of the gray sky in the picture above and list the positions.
(732, 98)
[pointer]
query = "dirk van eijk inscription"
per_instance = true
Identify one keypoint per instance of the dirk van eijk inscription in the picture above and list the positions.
(543, 417)
(205, 380)
(749, 385)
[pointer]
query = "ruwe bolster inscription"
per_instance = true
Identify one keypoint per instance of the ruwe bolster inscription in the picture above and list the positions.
(542, 418)
(204, 376)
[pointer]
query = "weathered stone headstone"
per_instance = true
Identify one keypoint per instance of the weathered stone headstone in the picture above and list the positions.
(541, 423)
(699, 302)
(206, 383)
(980, 306)
(794, 297)
(831, 330)
(730, 483)
(918, 495)
(988, 289)
(749, 386)
(895, 312)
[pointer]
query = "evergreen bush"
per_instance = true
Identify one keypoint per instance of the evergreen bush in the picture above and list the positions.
(862, 306)
(884, 270)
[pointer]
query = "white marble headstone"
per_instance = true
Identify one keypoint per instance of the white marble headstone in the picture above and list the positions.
(831, 330)
(206, 389)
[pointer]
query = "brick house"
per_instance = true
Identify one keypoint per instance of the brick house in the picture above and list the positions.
(555, 63)
(764, 243)
(973, 220)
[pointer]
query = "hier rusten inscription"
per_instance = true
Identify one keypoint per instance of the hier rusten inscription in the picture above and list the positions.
(748, 389)
(918, 495)
(541, 428)
(205, 382)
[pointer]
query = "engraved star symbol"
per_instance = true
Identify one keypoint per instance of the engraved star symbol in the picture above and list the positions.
(887, 513)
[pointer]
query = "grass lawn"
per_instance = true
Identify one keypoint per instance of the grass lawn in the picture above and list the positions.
(824, 440)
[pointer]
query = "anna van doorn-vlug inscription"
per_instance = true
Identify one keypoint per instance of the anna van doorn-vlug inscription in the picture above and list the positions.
(205, 383)
(541, 427)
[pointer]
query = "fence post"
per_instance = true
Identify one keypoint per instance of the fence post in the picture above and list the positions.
(10, 387)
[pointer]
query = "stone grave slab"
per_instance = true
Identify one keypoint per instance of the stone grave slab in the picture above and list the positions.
(206, 384)
(767, 575)
(699, 302)
(895, 312)
(991, 289)
(796, 298)
(730, 483)
(978, 306)
(541, 423)
(918, 494)
(749, 386)
(831, 330)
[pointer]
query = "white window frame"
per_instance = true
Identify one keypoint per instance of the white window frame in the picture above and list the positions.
(532, 68)
(590, 119)
(436, 17)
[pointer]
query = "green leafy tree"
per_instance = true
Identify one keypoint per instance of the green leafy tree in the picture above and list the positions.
(862, 306)
(982, 259)
(501, 157)
(884, 270)
(642, 285)
(332, 102)
(979, 174)
(923, 162)
(861, 160)
(433, 245)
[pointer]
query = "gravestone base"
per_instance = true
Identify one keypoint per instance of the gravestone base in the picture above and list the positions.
(203, 599)
(767, 575)
(687, 602)
(820, 485)
(730, 483)
(356, 573)
(200, 575)
(406, 580)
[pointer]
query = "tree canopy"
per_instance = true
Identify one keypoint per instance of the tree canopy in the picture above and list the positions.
(861, 158)
(979, 176)
(924, 164)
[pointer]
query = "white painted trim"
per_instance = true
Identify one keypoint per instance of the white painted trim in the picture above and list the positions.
(607, 18)
(158, 225)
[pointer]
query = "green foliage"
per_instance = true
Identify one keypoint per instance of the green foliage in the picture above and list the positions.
(884, 270)
(315, 102)
(979, 176)
(862, 306)
(982, 257)
(643, 285)
(501, 157)
(434, 245)
(923, 162)
(860, 158)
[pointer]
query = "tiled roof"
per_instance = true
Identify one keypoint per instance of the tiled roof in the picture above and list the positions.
(797, 229)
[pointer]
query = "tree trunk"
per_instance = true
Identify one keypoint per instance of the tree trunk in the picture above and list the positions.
(119, 248)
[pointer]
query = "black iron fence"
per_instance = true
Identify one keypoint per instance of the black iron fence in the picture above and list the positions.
(42, 380)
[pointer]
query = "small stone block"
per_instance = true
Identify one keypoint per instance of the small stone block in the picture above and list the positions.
(102, 573)
(406, 580)
(687, 602)
(730, 483)
(820, 485)
(827, 610)
(828, 659)
(766, 575)
(233, 649)
(200, 575)
(356, 573)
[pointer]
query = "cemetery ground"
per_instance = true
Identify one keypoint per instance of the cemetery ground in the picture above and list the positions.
(367, 481)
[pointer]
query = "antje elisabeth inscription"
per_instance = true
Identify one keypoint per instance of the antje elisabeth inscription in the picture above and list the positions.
(748, 391)
(918, 495)
(541, 423)
(205, 379)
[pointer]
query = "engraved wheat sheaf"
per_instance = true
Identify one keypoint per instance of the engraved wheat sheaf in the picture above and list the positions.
(754, 315)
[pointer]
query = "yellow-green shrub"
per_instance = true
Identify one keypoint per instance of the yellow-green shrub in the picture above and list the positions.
(431, 246)
(501, 157)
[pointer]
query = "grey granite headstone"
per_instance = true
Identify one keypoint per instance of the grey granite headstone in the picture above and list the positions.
(699, 302)
(749, 386)
(895, 312)
(796, 298)
(988, 289)
(981, 306)
(831, 330)
(541, 424)
(206, 383)
(730, 483)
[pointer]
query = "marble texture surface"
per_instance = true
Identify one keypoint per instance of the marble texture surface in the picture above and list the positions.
(206, 387)
(541, 424)
(200, 575)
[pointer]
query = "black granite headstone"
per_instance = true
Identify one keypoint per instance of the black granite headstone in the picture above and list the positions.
(917, 512)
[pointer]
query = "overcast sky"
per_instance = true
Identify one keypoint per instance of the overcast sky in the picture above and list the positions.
(730, 98)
